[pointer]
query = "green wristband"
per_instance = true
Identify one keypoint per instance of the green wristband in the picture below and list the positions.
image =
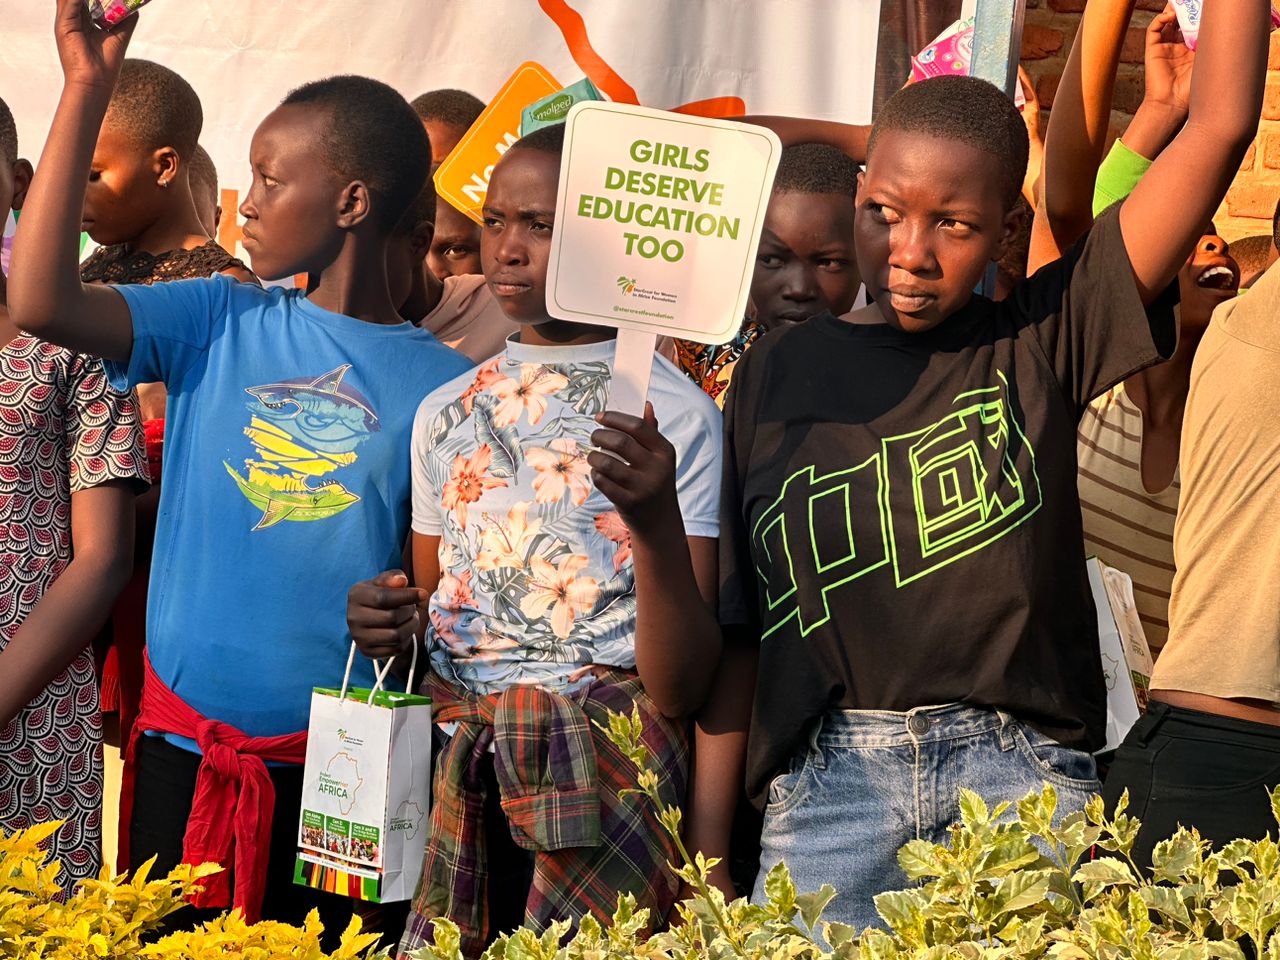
(1117, 176)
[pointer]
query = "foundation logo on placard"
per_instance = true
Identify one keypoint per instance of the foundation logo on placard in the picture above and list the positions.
(630, 287)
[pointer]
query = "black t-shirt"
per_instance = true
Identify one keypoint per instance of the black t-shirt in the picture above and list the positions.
(900, 524)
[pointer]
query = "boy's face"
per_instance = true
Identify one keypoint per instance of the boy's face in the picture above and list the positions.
(291, 209)
(455, 250)
(806, 263)
(123, 197)
(930, 217)
(515, 241)
(1209, 277)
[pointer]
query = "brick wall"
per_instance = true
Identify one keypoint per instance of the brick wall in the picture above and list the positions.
(1050, 28)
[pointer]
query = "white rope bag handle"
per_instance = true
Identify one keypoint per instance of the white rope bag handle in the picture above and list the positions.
(381, 671)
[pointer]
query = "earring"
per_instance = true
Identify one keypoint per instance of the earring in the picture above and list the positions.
(164, 184)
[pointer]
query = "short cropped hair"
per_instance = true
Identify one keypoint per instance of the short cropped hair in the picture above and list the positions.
(1251, 254)
(374, 136)
(544, 140)
(456, 108)
(202, 171)
(156, 108)
(964, 109)
(815, 168)
(8, 136)
(1275, 226)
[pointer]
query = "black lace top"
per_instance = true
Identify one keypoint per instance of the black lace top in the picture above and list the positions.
(115, 264)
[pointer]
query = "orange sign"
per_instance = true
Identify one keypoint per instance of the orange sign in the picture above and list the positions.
(463, 177)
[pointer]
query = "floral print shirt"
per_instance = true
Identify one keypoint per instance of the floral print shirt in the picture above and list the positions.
(536, 582)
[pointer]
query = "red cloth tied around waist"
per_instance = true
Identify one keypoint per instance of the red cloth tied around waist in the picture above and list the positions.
(230, 821)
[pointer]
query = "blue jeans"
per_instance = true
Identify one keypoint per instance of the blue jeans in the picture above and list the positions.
(872, 780)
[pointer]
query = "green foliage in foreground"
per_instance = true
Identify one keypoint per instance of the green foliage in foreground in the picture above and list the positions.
(987, 894)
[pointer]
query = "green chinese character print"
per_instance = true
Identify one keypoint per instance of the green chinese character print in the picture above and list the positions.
(798, 568)
(971, 477)
(959, 485)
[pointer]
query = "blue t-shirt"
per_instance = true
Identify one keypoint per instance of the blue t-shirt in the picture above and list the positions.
(286, 480)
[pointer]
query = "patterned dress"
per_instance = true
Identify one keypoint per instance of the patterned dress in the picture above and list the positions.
(62, 430)
(710, 366)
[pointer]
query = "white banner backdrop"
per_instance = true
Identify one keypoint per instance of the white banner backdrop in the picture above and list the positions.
(811, 58)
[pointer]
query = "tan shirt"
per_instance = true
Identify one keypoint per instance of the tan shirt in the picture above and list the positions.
(1125, 526)
(468, 319)
(1224, 617)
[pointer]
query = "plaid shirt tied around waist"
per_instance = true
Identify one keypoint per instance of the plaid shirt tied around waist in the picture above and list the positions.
(560, 778)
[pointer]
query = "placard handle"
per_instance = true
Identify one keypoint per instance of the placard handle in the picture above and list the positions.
(632, 367)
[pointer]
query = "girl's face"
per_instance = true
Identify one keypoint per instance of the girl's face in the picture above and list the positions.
(515, 241)
(291, 211)
(806, 263)
(124, 197)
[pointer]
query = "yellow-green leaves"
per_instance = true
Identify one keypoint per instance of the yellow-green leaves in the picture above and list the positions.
(110, 918)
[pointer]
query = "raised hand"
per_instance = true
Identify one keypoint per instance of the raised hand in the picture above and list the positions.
(89, 55)
(638, 471)
(382, 614)
(1168, 63)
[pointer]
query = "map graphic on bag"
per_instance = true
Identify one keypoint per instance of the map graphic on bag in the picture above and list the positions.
(366, 789)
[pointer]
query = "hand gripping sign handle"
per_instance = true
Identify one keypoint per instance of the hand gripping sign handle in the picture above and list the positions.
(381, 670)
(632, 367)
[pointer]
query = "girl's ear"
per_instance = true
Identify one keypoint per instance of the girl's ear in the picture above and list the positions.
(166, 163)
(354, 205)
(22, 174)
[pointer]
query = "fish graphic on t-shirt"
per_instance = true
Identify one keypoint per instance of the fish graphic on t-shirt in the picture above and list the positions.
(288, 498)
(320, 413)
(303, 428)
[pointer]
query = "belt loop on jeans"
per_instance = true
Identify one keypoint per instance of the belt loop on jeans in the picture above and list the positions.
(817, 757)
(1147, 725)
(1006, 731)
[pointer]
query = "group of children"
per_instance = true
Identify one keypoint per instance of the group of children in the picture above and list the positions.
(859, 590)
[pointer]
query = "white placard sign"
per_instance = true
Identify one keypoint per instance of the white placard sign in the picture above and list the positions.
(659, 217)
(659, 220)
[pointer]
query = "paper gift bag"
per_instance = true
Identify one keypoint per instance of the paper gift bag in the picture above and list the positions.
(1126, 656)
(366, 790)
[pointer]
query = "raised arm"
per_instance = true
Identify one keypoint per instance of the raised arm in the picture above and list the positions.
(1077, 130)
(1167, 92)
(851, 138)
(1167, 211)
(46, 297)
